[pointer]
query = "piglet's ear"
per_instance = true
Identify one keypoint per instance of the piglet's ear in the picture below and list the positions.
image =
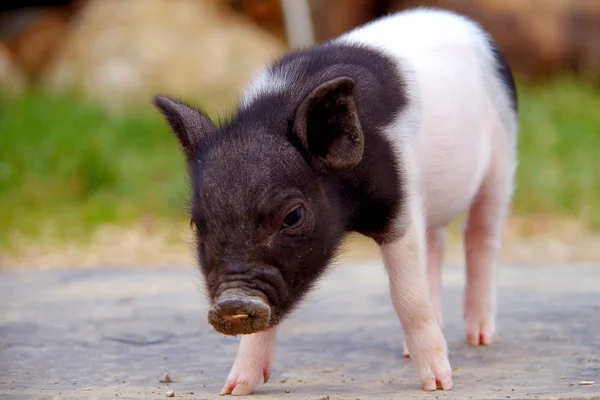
(188, 124)
(328, 127)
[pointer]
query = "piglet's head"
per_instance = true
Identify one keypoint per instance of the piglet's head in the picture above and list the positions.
(267, 214)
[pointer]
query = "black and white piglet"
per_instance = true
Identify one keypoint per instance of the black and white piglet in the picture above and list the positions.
(391, 130)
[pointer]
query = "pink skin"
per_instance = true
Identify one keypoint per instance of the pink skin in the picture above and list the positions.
(405, 262)
(252, 364)
(441, 187)
(436, 243)
(482, 237)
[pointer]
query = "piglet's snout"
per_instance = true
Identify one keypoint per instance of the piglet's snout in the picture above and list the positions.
(237, 313)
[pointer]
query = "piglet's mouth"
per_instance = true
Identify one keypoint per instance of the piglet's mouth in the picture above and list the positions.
(237, 313)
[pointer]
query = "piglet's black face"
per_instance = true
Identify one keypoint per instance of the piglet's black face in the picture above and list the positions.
(265, 222)
(262, 220)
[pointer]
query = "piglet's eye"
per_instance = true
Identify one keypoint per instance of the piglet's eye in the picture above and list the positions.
(294, 217)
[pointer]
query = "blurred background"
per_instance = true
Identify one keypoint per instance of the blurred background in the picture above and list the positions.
(91, 176)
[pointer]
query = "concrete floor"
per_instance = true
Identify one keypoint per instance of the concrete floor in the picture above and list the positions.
(108, 333)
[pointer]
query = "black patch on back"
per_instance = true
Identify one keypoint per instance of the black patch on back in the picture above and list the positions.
(505, 73)
(369, 195)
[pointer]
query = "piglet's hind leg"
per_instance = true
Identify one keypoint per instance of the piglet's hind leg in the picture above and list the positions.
(482, 243)
(252, 364)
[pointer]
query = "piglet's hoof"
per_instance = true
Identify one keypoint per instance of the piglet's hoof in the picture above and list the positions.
(236, 313)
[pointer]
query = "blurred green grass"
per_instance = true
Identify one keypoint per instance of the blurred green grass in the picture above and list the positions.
(67, 165)
(559, 151)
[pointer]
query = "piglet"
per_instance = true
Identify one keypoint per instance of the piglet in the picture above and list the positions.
(391, 130)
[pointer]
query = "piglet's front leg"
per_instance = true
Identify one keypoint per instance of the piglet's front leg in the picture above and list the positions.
(405, 263)
(252, 364)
